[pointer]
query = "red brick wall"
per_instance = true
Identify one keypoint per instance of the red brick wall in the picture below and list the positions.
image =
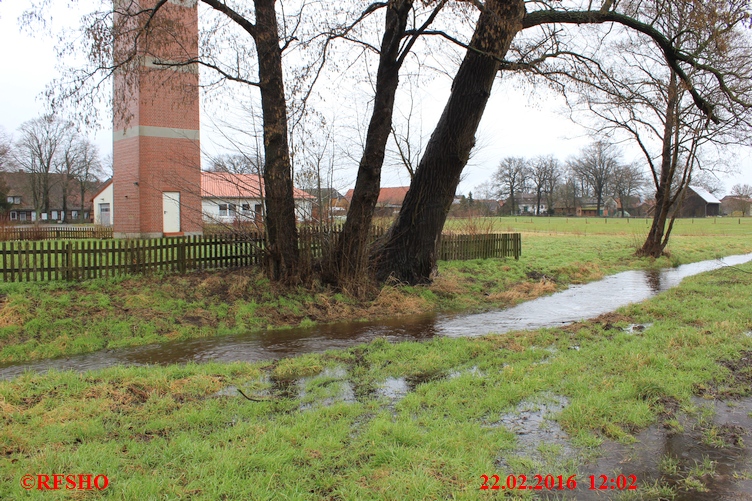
(146, 165)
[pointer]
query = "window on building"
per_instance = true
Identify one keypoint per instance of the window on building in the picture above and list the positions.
(10, 200)
(54, 215)
(74, 214)
(223, 209)
(23, 216)
(246, 208)
(13, 215)
(44, 216)
(17, 200)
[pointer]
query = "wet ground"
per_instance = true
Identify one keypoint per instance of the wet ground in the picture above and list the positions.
(700, 453)
(576, 303)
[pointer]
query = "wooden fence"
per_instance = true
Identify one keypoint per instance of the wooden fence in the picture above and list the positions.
(54, 233)
(464, 247)
(87, 259)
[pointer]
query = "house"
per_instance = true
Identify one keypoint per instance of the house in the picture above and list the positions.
(463, 206)
(589, 207)
(698, 202)
(23, 209)
(102, 204)
(328, 204)
(225, 198)
(228, 198)
(389, 202)
(736, 206)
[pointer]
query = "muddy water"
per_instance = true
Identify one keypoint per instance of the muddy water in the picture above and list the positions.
(576, 303)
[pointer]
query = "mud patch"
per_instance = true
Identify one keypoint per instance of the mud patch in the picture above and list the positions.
(737, 384)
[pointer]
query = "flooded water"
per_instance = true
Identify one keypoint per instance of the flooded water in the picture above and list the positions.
(578, 302)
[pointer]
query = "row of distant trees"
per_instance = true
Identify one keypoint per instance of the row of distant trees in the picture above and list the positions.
(596, 173)
(54, 153)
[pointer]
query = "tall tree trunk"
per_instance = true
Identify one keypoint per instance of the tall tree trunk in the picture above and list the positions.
(655, 242)
(408, 252)
(281, 231)
(349, 259)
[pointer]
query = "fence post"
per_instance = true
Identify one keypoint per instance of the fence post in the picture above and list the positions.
(181, 255)
(68, 261)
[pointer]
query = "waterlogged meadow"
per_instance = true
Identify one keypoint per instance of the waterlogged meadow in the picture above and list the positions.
(415, 420)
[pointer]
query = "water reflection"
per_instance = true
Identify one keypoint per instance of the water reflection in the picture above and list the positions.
(576, 303)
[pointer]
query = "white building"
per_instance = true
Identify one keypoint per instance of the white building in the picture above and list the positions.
(102, 205)
(227, 198)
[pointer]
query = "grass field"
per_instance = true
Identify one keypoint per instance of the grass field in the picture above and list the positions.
(637, 227)
(43, 320)
(327, 426)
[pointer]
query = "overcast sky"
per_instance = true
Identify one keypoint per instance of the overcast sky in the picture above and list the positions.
(513, 125)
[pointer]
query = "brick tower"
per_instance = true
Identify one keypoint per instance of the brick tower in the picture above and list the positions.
(156, 154)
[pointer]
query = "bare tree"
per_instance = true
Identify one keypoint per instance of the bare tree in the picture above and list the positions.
(39, 150)
(235, 163)
(626, 183)
(656, 105)
(349, 262)
(741, 190)
(596, 165)
(510, 180)
(543, 178)
(88, 171)
(6, 153)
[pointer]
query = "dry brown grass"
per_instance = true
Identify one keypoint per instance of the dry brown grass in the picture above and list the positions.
(524, 291)
(391, 301)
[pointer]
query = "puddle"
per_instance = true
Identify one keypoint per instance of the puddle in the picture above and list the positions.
(637, 328)
(574, 304)
(472, 371)
(393, 389)
(538, 435)
(325, 389)
(711, 454)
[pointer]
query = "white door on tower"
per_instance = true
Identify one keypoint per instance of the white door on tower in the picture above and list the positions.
(171, 208)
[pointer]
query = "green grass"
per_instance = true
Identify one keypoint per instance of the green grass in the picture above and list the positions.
(718, 226)
(43, 320)
(170, 432)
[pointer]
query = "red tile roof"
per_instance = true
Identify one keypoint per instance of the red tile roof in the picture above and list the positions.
(387, 196)
(227, 185)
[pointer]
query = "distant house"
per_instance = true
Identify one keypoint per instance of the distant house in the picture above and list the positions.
(527, 203)
(227, 198)
(589, 207)
(736, 206)
(328, 204)
(463, 206)
(698, 202)
(389, 202)
(23, 208)
(631, 207)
